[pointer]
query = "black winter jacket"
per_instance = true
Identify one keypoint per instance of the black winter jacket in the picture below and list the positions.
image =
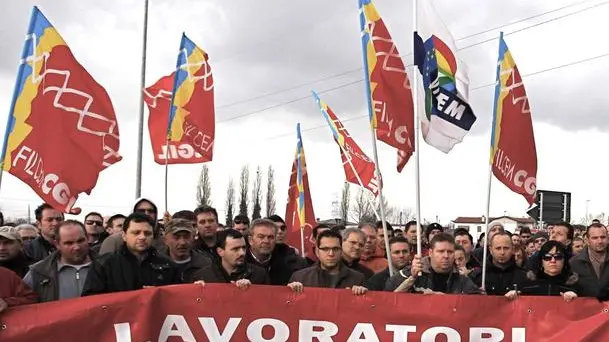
(38, 249)
(281, 266)
(215, 273)
(456, 283)
(500, 281)
(122, 271)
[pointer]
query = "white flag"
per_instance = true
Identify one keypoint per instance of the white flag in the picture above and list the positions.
(447, 116)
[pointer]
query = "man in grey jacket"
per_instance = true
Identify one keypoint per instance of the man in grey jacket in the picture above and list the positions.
(62, 275)
(433, 274)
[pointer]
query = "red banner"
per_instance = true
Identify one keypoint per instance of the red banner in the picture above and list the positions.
(158, 99)
(222, 312)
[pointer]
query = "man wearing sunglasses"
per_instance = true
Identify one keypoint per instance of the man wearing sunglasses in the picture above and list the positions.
(241, 223)
(94, 225)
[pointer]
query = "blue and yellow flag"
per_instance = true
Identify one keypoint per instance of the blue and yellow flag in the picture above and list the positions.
(191, 114)
(513, 153)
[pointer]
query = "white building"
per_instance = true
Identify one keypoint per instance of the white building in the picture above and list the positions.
(475, 225)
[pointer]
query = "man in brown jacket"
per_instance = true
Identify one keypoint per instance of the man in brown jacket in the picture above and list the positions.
(329, 272)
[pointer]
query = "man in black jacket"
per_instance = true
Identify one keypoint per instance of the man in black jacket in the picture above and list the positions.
(400, 256)
(433, 274)
(179, 241)
(47, 219)
(11, 251)
(277, 259)
(502, 273)
(231, 265)
(135, 265)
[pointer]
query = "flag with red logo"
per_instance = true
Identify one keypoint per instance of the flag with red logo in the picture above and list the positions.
(359, 169)
(62, 130)
(513, 152)
(192, 112)
(390, 92)
(299, 210)
(158, 99)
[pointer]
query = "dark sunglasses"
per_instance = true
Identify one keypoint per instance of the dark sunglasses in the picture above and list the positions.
(93, 222)
(240, 222)
(145, 211)
(27, 238)
(557, 257)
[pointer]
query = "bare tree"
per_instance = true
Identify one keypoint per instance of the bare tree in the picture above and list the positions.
(244, 184)
(257, 194)
(362, 210)
(345, 202)
(388, 209)
(204, 187)
(270, 192)
(230, 202)
(401, 215)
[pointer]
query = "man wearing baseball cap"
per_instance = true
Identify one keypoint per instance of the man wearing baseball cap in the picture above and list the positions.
(11, 251)
(179, 241)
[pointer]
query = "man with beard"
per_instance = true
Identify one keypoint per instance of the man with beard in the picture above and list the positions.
(329, 272)
(231, 266)
(62, 274)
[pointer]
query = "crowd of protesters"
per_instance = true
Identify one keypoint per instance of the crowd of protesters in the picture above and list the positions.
(57, 259)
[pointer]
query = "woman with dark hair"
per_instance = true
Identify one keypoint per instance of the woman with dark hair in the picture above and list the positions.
(550, 274)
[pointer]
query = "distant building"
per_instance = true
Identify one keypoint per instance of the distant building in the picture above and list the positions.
(475, 225)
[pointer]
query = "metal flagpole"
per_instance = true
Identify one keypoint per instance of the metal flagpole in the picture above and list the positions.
(140, 135)
(417, 129)
(166, 173)
(371, 114)
(490, 167)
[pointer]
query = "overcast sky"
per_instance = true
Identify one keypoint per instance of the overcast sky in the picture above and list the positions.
(287, 48)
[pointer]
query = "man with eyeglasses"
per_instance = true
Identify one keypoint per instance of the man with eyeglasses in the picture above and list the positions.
(11, 251)
(329, 272)
(47, 220)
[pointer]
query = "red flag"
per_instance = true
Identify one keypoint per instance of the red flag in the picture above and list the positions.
(513, 152)
(351, 154)
(62, 130)
(389, 87)
(299, 210)
(158, 99)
